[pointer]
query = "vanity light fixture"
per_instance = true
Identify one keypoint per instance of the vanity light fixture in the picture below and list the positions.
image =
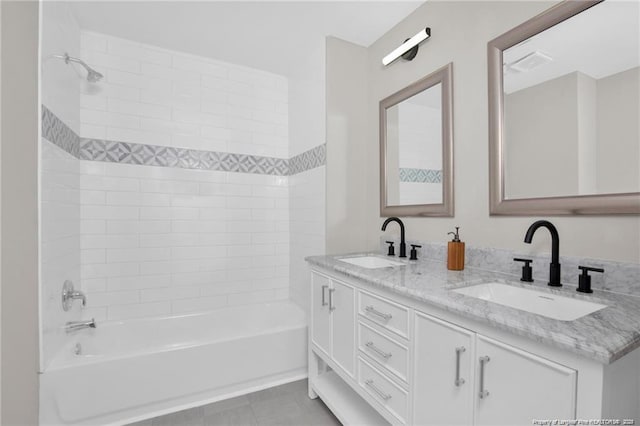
(409, 49)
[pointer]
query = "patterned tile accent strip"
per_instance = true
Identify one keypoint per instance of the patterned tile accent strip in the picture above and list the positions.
(54, 130)
(162, 156)
(420, 175)
(308, 160)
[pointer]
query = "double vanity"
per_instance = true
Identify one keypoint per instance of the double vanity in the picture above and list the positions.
(409, 342)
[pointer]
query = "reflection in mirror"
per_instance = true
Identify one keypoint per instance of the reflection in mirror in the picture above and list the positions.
(564, 96)
(571, 106)
(415, 143)
(414, 149)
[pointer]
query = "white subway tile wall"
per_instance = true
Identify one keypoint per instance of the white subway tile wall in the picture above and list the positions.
(307, 228)
(161, 241)
(160, 97)
(167, 241)
(59, 179)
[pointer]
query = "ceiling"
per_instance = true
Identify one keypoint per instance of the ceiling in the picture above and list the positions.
(280, 37)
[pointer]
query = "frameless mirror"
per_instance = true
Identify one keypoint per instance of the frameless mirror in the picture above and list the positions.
(416, 177)
(564, 91)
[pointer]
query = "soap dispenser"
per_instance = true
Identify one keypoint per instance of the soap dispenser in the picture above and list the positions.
(455, 257)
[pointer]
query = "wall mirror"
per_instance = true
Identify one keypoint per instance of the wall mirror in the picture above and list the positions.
(416, 144)
(564, 102)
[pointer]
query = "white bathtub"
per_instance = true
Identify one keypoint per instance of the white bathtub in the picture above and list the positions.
(137, 369)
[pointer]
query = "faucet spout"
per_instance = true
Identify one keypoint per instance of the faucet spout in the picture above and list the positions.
(554, 266)
(403, 246)
(72, 326)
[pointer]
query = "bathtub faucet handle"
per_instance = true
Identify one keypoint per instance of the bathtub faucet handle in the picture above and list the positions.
(69, 294)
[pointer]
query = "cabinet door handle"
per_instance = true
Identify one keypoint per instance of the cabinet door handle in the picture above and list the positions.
(378, 351)
(324, 287)
(459, 380)
(483, 392)
(381, 394)
(331, 307)
(370, 309)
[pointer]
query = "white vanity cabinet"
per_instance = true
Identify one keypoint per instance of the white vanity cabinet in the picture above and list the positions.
(517, 386)
(443, 373)
(333, 324)
(458, 373)
(376, 357)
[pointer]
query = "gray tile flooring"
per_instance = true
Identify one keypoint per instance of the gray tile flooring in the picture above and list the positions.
(286, 405)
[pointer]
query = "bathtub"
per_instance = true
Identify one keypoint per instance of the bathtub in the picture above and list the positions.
(125, 371)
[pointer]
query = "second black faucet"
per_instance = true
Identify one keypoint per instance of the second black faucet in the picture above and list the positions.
(554, 267)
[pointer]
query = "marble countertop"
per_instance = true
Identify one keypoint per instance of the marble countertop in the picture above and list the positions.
(605, 335)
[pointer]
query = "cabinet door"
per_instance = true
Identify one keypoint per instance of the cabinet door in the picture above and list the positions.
(343, 312)
(518, 387)
(443, 372)
(321, 325)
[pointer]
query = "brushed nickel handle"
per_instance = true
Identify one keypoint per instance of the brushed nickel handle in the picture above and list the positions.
(483, 392)
(378, 351)
(331, 307)
(381, 394)
(324, 287)
(459, 380)
(370, 309)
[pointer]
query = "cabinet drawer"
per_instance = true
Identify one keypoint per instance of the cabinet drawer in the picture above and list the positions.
(383, 390)
(390, 315)
(390, 354)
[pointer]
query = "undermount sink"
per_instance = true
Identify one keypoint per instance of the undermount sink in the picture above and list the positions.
(537, 302)
(370, 262)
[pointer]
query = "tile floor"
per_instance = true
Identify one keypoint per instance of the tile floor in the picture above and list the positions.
(285, 405)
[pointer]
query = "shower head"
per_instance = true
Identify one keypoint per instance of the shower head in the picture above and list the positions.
(93, 76)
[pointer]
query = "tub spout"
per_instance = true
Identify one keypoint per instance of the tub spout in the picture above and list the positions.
(72, 326)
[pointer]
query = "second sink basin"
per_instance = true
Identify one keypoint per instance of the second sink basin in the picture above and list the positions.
(370, 262)
(537, 302)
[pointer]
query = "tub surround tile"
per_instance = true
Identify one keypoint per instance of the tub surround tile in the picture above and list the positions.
(604, 336)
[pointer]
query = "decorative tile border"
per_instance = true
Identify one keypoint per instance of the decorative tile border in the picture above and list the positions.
(54, 130)
(420, 175)
(58, 133)
(315, 157)
(163, 156)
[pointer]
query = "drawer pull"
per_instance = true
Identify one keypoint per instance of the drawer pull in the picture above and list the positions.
(483, 361)
(381, 394)
(324, 287)
(459, 380)
(378, 351)
(331, 306)
(370, 309)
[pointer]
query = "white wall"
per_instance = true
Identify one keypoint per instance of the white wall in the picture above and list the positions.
(160, 240)
(460, 32)
(618, 149)
(542, 127)
(59, 178)
(348, 161)
(19, 228)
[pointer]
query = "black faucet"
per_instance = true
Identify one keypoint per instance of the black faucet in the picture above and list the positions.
(554, 267)
(403, 246)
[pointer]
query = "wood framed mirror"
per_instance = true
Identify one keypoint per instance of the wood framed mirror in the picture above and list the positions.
(564, 91)
(416, 148)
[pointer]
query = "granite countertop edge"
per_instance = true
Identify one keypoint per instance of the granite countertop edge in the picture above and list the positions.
(559, 334)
